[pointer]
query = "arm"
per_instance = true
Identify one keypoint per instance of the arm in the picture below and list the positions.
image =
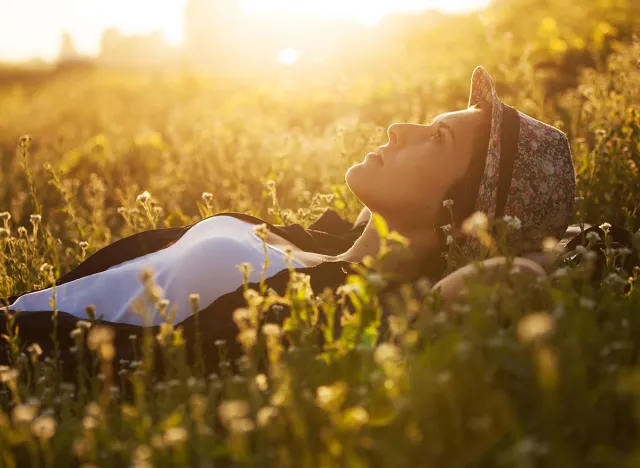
(451, 285)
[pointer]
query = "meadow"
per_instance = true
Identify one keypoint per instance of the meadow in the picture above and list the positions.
(522, 374)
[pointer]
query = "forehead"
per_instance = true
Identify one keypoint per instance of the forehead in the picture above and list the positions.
(459, 118)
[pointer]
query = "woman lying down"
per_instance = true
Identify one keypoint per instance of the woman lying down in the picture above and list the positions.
(488, 157)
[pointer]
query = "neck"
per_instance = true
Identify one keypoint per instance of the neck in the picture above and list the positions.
(421, 240)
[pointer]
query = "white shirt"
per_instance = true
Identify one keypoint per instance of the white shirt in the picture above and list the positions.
(203, 261)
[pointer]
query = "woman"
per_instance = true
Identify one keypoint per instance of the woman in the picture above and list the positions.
(488, 157)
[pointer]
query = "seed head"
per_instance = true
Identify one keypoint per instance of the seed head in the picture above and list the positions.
(43, 427)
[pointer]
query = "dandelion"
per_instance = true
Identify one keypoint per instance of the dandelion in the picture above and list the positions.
(447, 203)
(143, 197)
(43, 427)
(207, 196)
(535, 326)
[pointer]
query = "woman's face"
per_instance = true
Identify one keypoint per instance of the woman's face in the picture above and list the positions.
(409, 176)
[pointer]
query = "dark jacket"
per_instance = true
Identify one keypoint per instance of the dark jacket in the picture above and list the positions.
(330, 235)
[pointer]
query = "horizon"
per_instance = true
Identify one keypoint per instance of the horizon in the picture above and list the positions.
(86, 20)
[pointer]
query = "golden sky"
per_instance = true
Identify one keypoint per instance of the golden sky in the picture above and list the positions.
(32, 28)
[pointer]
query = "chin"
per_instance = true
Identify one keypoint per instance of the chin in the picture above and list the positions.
(362, 185)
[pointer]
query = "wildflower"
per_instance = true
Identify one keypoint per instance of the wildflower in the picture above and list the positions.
(330, 397)
(76, 333)
(624, 251)
(100, 335)
(46, 268)
(355, 418)
(25, 141)
(207, 196)
(578, 199)
(261, 382)
(271, 330)
(513, 222)
(450, 240)
(44, 427)
(240, 315)
(175, 435)
(248, 338)
(143, 197)
(535, 326)
(447, 203)
(35, 218)
(398, 324)
(476, 223)
(83, 324)
(7, 374)
(606, 227)
(34, 349)
(266, 415)
(446, 228)
(593, 237)
(23, 414)
(261, 231)
(614, 278)
(232, 409)
(22, 231)
(5, 216)
(241, 426)
(387, 353)
(194, 299)
(376, 280)
(271, 184)
(83, 244)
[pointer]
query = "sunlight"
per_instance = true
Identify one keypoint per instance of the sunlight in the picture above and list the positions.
(288, 56)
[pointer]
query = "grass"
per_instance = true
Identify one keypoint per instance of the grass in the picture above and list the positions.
(521, 374)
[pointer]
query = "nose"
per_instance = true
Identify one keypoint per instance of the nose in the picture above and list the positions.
(402, 133)
(393, 133)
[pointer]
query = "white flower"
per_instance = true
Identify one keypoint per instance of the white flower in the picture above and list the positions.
(35, 218)
(447, 203)
(143, 197)
(605, 227)
(475, 223)
(446, 228)
(450, 240)
(513, 222)
(207, 196)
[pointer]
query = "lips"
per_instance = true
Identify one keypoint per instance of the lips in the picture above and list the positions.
(376, 157)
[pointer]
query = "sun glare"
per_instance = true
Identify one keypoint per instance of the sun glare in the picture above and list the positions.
(288, 56)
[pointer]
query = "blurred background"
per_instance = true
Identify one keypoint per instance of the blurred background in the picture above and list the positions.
(181, 97)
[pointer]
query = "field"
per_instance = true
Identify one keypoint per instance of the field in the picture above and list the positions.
(523, 375)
